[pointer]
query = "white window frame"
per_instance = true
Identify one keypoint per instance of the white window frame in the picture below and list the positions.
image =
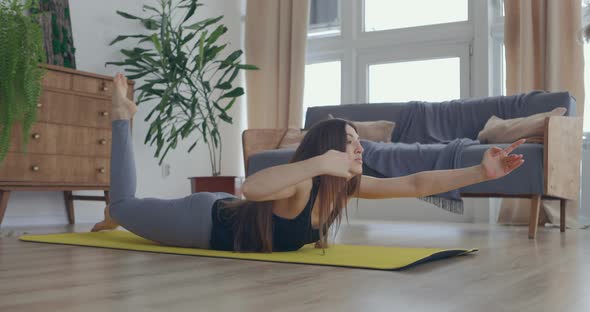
(324, 58)
(414, 53)
(470, 40)
(497, 35)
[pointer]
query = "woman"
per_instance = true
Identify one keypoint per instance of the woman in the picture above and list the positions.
(287, 206)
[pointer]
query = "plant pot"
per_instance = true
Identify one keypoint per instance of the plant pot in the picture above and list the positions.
(227, 184)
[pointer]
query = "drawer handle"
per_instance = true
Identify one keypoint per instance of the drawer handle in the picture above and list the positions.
(36, 136)
(35, 168)
(102, 142)
(105, 87)
(39, 105)
(101, 170)
(105, 113)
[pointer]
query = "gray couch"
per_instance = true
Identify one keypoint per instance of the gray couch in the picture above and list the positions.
(551, 170)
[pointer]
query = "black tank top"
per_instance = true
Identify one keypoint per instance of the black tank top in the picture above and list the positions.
(287, 234)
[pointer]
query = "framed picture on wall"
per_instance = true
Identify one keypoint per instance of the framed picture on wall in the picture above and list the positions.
(58, 42)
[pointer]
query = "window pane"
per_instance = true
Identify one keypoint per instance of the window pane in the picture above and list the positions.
(322, 85)
(429, 80)
(324, 18)
(392, 14)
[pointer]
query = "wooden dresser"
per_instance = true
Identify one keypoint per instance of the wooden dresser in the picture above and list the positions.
(69, 146)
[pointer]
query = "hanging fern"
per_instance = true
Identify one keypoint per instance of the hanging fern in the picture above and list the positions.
(21, 50)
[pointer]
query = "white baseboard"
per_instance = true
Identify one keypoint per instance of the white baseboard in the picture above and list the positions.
(16, 221)
(25, 221)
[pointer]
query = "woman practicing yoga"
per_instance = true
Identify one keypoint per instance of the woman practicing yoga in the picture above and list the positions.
(287, 206)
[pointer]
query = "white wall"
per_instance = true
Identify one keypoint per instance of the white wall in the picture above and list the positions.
(94, 25)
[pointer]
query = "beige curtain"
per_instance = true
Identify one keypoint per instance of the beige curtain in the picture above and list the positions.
(543, 52)
(276, 37)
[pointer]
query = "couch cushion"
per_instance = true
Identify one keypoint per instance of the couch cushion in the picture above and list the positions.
(378, 130)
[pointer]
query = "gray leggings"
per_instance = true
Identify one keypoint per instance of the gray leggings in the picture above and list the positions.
(184, 222)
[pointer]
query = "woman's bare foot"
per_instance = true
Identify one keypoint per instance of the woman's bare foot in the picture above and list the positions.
(122, 107)
(107, 224)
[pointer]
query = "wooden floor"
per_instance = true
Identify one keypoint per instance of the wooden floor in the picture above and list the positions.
(509, 273)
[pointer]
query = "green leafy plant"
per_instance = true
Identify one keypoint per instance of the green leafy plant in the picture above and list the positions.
(21, 50)
(183, 70)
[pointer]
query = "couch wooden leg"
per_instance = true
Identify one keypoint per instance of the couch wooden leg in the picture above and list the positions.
(562, 203)
(534, 216)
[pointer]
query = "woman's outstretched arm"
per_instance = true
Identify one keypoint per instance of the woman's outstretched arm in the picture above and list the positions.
(495, 164)
(420, 184)
(279, 182)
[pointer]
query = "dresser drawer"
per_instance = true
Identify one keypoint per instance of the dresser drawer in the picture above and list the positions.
(64, 108)
(91, 85)
(19, 167)
(57, 139)
(56, 79)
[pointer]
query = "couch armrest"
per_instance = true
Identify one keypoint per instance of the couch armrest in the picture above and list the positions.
(258, 140)
(562, 156)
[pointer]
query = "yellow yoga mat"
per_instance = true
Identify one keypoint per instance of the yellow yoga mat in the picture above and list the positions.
(354, 256)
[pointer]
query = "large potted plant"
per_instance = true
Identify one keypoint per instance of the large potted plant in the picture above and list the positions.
(21, 50)
(181, 65)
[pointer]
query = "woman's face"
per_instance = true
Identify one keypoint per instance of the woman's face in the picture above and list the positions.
(354, 150)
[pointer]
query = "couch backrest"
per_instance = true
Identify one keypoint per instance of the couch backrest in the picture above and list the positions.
(459, 118)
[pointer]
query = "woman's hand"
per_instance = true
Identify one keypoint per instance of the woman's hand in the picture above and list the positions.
(336, 163)
(498, 162)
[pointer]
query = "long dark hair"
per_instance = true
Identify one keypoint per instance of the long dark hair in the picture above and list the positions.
(252, 221)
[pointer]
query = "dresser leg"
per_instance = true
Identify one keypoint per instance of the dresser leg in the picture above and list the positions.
(69, 206)
(107, 197)
(4, 195)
